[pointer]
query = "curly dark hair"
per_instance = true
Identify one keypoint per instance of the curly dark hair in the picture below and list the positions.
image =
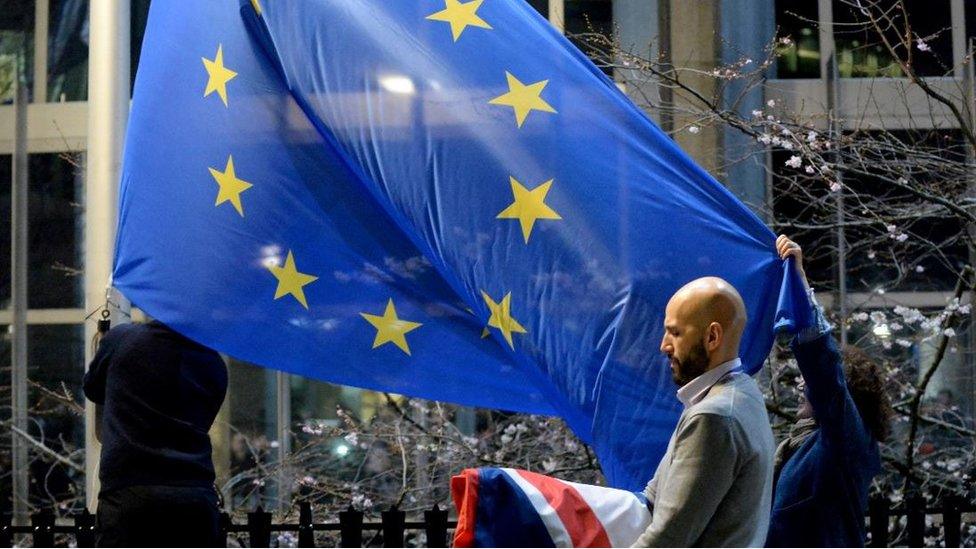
(866, 383)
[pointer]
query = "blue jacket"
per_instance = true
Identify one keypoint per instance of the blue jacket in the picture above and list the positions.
(821, 496)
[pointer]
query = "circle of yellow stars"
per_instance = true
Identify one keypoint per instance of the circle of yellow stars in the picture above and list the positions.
(528, 205)
(291, 281)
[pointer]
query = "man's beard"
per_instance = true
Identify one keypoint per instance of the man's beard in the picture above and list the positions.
(694, 365)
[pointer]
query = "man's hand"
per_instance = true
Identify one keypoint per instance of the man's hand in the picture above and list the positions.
(787, 248)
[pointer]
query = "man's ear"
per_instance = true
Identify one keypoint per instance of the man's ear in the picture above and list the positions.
(713, 338)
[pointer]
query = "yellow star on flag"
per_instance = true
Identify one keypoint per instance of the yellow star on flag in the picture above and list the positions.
(460, 16)
(230, 186)
(290, 281)
(524, 99)
(390, 329)
(529, 206)
(218, 75)
(501, 316)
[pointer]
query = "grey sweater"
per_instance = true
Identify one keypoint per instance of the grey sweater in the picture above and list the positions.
(714, 483)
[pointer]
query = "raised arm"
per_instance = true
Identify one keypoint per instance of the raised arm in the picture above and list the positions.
(822, 368)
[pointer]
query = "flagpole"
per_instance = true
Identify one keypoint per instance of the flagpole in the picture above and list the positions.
(108, 111)
(18, 304)
(836, 131)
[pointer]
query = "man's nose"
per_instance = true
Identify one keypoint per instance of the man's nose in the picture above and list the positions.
(665, 344)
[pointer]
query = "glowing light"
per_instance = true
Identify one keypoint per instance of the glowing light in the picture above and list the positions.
(398, 84)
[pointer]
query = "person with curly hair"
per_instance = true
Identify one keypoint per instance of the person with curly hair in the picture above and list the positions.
(823, 470)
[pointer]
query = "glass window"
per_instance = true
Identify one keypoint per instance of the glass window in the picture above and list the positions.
(970, 23)
(803, 205)
(67, 64)
(800, 57)
(137, 26)
(936, 245)
(16, 45)
(251, 402)
(862, 53)
(55, 231)
(56, 366)
(542, 6)
(316, 401)
(588, 17)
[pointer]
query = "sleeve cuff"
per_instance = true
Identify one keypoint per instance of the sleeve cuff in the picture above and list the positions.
(820, 325)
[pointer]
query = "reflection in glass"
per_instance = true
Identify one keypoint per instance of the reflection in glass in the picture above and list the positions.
(316, 401)
(67, 64)
(800, 57)
(862, 53)
(16, 46)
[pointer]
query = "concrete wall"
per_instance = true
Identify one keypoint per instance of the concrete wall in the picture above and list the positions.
(700, 35)
(747, 27)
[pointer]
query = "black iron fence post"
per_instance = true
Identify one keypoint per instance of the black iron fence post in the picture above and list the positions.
(393, 527)
(916, 521)
(435, 522)
(306, 532)
(42, 527)
(85, 529)
(6, 534)
(225, 524)
(259, 528)
(952, 521)
(350, 528)
(879, 510)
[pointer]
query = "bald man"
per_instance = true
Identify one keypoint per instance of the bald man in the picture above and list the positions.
(713, 486)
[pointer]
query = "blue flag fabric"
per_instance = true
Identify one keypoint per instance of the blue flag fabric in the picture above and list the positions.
(435, 198)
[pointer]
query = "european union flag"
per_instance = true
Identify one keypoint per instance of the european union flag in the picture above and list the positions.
(438, 198)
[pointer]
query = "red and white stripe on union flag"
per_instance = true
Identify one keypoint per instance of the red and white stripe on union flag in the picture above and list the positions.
(512, 507)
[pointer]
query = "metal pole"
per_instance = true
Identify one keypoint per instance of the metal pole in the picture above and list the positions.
(969, 76)
(18, 303)
(557, 14)
(282, 425)
(108, 112)
(836, 129)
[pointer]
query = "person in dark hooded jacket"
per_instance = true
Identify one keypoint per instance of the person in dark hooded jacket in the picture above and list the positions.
(823, 470)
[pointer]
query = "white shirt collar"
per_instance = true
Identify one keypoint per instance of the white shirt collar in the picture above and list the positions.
(693, 391)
